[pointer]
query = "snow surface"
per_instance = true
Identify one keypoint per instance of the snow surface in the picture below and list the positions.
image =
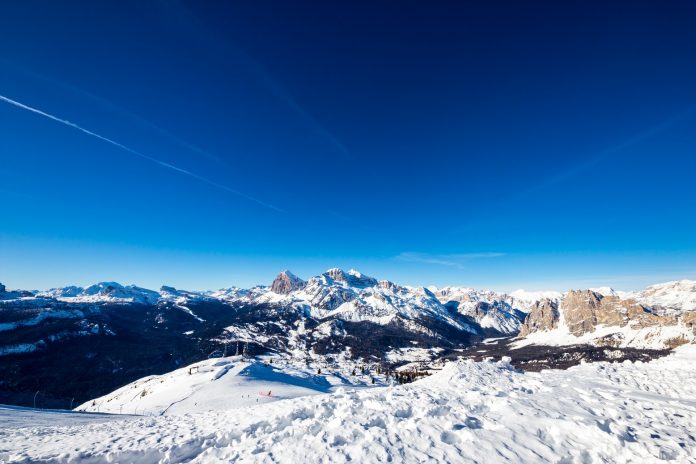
(468, 412)
(678, 294)
(526, 298)
(220, 384)
(653, 337)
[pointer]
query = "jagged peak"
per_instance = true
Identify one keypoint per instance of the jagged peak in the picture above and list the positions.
(352, 278)
(336, 273)
(286, 282)
(288, 273)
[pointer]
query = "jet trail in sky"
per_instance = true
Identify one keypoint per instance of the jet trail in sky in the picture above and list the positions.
(137, 153)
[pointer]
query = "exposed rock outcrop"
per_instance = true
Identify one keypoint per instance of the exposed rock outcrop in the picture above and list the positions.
(352, 277)
(542, 316)
(689, 320)
(287, 282)
(579, 309)
(582, 312)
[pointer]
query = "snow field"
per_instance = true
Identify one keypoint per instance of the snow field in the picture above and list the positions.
(220, 384)
(468, 412)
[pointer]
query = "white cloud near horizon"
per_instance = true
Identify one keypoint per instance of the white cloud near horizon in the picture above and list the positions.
(456, 260)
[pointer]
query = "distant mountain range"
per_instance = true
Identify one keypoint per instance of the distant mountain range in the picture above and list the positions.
(83, 342)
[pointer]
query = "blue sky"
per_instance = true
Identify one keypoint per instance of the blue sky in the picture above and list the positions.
(494, 145)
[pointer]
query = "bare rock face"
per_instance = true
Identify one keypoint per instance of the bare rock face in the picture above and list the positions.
(584, 310)
(613, 310)
(352, 277)
(446, 294)
(579, 309)
(689, 319)
(388, 285)
(287, 282)
(543, 315)
(648, 319)
(662, 316)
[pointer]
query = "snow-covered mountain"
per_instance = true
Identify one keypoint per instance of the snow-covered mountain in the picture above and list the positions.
(679, 295)
(492, 310)
(336, 294)
(109, 334)
(345, 295)
(354, 297)
(103, 292)
(123, 333)
(661, 316)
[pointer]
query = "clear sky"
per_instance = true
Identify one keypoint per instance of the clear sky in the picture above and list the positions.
(210, 144)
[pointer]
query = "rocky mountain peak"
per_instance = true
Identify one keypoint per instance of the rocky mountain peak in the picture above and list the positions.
(542, 316)
(337, 274)
(616, 320)
(2, 288)
(579, 308)
(351, 278)
(388, 285)
(287, 282)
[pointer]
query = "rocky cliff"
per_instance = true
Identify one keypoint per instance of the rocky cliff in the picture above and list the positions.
(287, 282)
(582, 313)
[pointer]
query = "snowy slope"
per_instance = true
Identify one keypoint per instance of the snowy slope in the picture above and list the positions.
(679, 295)
(217, 385)
(656, 338)
(491, 310)
(524, 299)
(468, 412)
(352, 296)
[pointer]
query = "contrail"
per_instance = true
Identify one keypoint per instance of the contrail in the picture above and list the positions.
(137, 153)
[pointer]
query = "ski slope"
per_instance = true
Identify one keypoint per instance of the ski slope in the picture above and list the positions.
(468, 412)
(218, 384)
